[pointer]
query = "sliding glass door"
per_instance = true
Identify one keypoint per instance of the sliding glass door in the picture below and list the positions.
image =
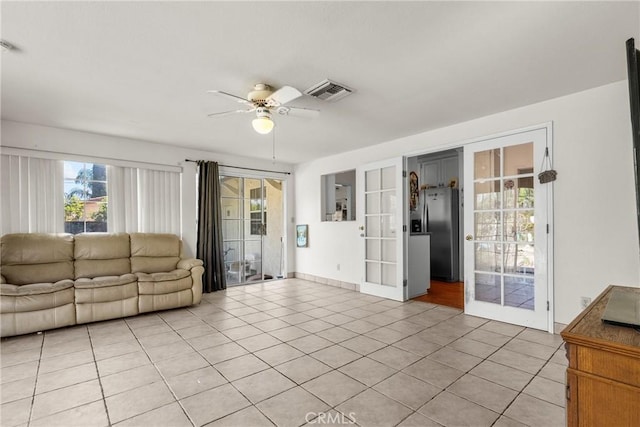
(253, 228)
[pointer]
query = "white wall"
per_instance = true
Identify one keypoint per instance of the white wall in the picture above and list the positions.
(596, 234)
(62, 141)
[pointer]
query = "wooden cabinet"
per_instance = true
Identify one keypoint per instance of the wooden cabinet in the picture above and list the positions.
(440, 172)
(603, 377)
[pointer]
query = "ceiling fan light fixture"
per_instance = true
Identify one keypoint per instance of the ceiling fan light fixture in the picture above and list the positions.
(263, 124)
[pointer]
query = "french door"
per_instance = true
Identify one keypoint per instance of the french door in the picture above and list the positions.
(252, 228)
(381, 219)
(506, 226)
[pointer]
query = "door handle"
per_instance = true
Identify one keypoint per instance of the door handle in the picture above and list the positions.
(469, 237)
(361, 228)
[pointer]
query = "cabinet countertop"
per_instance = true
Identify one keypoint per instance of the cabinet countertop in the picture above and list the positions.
(589, 326)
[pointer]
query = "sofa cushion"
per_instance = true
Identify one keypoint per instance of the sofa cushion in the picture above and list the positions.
(35, 288)
(106, 289)
(105, 281)
(101, 254)
(164, 283)
(38, 273)
(167, 287)
(37, 258)
(101, 246)
(34, 297)
(154, 253)
(153, 264)
(155, 245)
(163, 276)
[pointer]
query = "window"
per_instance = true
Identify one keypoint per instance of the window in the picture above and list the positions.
(85, 197)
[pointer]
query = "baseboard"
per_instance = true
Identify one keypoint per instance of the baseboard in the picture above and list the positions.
(330, 282)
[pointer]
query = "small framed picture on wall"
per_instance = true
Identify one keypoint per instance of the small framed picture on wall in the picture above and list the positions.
(302, 235)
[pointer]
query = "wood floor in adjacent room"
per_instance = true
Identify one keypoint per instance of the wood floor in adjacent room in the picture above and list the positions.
(445, 293)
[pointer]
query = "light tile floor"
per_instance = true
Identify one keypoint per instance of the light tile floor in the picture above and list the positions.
(286, 353)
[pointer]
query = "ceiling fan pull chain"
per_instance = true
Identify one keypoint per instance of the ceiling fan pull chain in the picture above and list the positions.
(273, 147)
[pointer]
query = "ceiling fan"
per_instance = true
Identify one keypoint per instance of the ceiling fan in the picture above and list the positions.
(264, 101)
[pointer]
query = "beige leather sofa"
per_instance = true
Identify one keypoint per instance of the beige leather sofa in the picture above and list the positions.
(53, 280)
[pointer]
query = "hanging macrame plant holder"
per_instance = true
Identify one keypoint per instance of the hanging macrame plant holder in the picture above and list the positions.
(548, 174)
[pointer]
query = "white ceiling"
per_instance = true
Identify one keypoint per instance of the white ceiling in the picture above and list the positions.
(141, 69)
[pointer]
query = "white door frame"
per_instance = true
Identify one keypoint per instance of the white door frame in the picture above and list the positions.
(548, 127)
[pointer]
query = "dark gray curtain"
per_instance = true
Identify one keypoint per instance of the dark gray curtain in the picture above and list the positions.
(210, 249)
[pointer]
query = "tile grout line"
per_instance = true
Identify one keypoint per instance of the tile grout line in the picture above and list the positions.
(164, 380)
(35, 384)
(95, 362)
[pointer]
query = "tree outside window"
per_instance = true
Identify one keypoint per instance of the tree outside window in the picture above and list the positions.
(85, 192)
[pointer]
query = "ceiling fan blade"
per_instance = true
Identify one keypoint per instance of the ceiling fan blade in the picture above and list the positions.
(226, 113)
(282, 96)
(230, 96)
(306, 113)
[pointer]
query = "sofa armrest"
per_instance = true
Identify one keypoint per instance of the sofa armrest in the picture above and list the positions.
(189, 263)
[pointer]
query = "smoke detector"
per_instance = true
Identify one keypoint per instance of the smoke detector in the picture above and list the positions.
(329, 91)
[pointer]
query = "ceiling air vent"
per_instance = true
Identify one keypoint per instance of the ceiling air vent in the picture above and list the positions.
(328, 90)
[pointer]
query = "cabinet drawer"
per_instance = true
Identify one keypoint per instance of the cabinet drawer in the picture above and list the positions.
(614, 366)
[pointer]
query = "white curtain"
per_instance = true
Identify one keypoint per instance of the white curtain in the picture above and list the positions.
(32, 195)
(158, 201)
(122, 188)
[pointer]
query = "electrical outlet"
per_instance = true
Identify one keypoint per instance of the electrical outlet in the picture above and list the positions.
(585, 301)
(338, 267)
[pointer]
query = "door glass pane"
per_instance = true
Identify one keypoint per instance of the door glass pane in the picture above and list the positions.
(231, 229)
(230, 186)
(389, 275)
(252, 228)
(488, 257)
(487, 288)
(389, 250)
(517, 196)
(388, 204)
(253, 258)
(372, 180)
(373, 272)
(373, 249)
(487, 164)
(519, 258)
(519, 226)
(487, 226)
(232, 253)
(487, 195)
(373, 203)
(230, 208)
(373, 226)
(519, 292)
(388, 223)
(388, 177)
(518, 157)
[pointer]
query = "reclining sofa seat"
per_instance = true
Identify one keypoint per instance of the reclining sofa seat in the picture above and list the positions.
(54, 280)
(105, 288)
(165, 280)
(37, 283)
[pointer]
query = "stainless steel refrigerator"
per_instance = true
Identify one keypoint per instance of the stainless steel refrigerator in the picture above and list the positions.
(440, 214)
